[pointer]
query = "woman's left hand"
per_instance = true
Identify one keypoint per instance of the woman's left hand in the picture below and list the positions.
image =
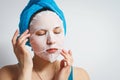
(65, 66)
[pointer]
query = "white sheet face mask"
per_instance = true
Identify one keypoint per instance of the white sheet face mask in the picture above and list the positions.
(47, 35)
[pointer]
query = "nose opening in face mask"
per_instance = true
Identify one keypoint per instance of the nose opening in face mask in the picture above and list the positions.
(50, 42)
(50, 39)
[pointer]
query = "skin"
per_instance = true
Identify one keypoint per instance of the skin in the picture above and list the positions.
(36, 68)
(28, 67)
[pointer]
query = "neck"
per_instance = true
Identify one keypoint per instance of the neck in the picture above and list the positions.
(41, 64)
(44, 68)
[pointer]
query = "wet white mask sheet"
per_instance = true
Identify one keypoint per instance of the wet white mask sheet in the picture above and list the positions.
(47, 21)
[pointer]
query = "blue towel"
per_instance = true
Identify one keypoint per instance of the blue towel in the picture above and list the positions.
(36, 5)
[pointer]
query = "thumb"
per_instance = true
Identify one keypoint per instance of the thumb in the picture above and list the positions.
(63, 64)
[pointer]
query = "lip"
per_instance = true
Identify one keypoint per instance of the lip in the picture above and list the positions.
(52, 50)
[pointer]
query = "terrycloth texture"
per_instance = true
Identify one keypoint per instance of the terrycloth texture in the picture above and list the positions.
(35, 5)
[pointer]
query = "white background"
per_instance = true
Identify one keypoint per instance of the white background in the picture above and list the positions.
(93, 34)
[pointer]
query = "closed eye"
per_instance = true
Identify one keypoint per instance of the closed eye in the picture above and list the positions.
(57, 30)
(41, 32)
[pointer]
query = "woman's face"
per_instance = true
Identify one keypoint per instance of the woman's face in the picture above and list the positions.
(47, 35)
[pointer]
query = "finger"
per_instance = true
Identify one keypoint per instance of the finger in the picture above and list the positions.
(15, 37)
(63, 54)
(67, 57)
(24, 42)
(63, 63)
(26, 32)
(21, 40)
(66, 63)
(66, 54)
(64, 51)
(70, 52)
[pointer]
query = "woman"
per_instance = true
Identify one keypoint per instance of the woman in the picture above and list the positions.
(42, 26)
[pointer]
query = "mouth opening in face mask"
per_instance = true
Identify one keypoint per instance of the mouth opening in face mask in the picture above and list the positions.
(51, 50)
(48, 55)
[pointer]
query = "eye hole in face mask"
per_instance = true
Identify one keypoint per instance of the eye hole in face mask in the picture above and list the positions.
(41, 32)
(57, 30)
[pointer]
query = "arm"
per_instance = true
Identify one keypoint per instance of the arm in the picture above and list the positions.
(23, 56)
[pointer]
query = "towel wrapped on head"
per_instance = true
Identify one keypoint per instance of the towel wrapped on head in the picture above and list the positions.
(34, 6)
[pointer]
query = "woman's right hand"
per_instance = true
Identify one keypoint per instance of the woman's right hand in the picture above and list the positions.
(23, 55)
(65, 66)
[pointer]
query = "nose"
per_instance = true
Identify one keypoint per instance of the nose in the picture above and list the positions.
(50, 40)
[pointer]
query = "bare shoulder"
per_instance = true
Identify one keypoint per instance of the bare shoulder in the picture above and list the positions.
(8, 72)
(80, 74)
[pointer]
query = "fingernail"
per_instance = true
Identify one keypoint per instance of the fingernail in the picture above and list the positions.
(70, 51)
(27, 30)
